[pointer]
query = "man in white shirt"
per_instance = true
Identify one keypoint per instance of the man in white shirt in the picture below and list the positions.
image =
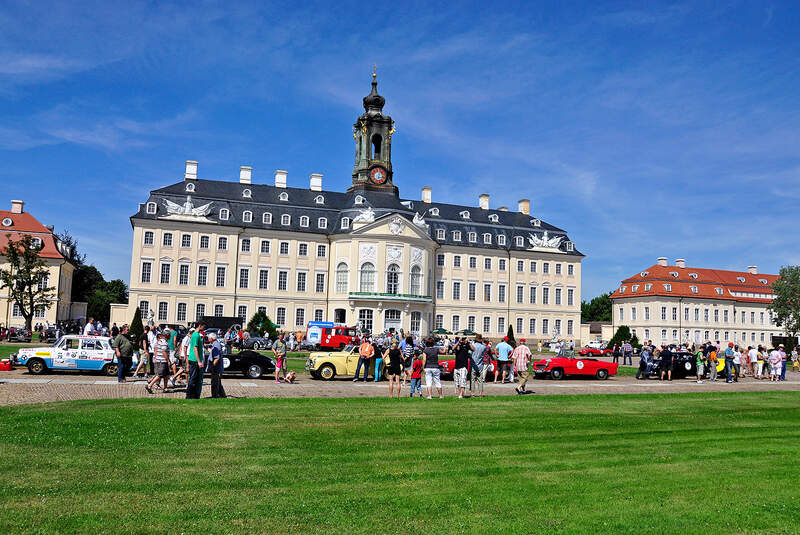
(152, 338)
(88, 329)
(752, 357)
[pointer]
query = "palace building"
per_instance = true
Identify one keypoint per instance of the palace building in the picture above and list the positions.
(679, 304)
(365, 256)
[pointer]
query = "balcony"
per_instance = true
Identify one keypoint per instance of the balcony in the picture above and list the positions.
(377, 296)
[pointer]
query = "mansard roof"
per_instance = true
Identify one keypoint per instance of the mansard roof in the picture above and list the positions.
(338, 205)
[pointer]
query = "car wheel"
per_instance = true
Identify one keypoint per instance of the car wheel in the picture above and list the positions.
(257, 346)
(602, 374)
(557, 374)
(254, 371)
(37, 367)
(326, 372)
(111, 369)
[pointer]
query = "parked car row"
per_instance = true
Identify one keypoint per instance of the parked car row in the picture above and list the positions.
(16, 334)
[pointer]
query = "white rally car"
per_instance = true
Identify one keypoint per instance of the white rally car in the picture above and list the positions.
(71, 352)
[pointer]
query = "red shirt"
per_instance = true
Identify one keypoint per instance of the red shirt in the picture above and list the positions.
(416, 368)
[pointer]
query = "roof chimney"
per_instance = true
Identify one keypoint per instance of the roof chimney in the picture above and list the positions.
(426, 194)
(524, 206)
(280, 178)
(245, 174)
(483, 201)
(503, 208)
(191, 170)
(316, 182)
(662, 261)
(753, 269)
(680, 262)
(16, 207)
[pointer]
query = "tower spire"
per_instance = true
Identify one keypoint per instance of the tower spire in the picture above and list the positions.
(373, 136)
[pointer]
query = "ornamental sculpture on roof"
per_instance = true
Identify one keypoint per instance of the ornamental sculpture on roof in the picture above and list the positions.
(419, 220)
(545, 241)
(188, 208)
(365, 216)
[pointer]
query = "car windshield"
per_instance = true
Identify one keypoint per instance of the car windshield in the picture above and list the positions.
(57, 342)
(348, 349)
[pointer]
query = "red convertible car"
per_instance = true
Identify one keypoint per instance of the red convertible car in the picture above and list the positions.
(558, 367)
(589, 351)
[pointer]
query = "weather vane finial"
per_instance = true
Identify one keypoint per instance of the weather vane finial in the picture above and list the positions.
(374, 69)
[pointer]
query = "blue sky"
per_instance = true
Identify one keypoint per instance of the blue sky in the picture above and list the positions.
(643, 129)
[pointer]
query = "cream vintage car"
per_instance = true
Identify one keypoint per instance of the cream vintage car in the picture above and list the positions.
(326, 365)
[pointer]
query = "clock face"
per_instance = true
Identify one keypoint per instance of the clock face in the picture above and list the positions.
(378, 175)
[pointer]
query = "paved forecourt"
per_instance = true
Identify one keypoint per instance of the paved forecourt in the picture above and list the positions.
(19, 387)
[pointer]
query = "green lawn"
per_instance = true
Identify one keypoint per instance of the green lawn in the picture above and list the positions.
(562, 464)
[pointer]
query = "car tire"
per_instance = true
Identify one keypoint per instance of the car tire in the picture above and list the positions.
(557, 374)
(254, 371)
(258, 346)
(326, 372)
(602, 374)
(111, 369)
(37, 366)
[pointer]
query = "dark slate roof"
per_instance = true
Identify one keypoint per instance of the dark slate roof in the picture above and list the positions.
(336, 205)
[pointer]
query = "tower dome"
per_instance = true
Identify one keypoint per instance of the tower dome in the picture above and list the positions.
(373, 103)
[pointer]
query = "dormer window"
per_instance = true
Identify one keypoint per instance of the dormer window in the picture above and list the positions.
(283, 196)
(464, 214)
(519, 241)
(622, 290)
(286, 219)
(473, 237)
(151, 208)
(319, 199)
(668, 287)
(693, 275)
(36, 243)
(456, 235)
(345, 223)
(570, 246)
(648, 286)
(718, 290)
(434, 212)
(635, 288)
(674, 274)
(303, 220)
(224, 214)
(501, 239)
(487, 238)
(536, 222)
(440, 234)
(693, 289)
(763, 281)
(322, 222)
(247, 193)
(247, 216)
(493, 218)
(643, 274)
(266, 218)
(740, 279)
(190, 187)
(358, 200)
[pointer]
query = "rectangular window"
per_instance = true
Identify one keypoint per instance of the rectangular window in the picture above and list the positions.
(319, 286)
(283, 280)
(716, 315)
(520, 293)
(265, 246)
(186, 241)
(165, 272)
(456, 292)
(705, 315)
(199, 311)
(163, 310)
(753, 319)
(570, 297)
(762, 321)
(457, 261)
(501, 264)
(558, 296)
(284, 248)
(280, 316)
(487, 324)
(696, 314)
(532, 326)
(487, 292)
(438, 321)
(144, 307)
(557, 327)
(472, 291)
(725, 316)
(302, 249)
(322, 251)
(244, 278)
(545, 326)
(300, 317)
(245, 245)
(167, 240)
(440, 260)
(501, 325)
(545, 267)
(664, 313)
(570, 270)
(263, 279)
(558, 269)
(180, 316)
(365, 319)
(647, 313)
(220, 280)
(570, 327)
(319, 315)
(533, 267)
(487, 263)
(204, 242)
(501, 293)
(621, 315)
(674, 334)
(520, 266)
(439, 289)
(471, 323)
(545, 295)
(183, 274)
(241, 312)
(633, 313)
(222, 243)
(663, 334)
(520, 325)
(301, 281)
(685, 314)
(322, 222)
(456, 323)
(148, 238)
(473, 262)
(147, 271)
(202, 275)
(532, 299)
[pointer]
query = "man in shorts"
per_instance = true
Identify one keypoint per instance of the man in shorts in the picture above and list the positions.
(463, 350)
(160, 363)
(701, 369)
(666, 363)
(522, 359)
(504, 350)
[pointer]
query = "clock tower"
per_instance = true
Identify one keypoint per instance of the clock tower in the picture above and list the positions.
(373, 136)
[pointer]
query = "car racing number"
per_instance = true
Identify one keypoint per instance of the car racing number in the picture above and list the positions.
(579, 365)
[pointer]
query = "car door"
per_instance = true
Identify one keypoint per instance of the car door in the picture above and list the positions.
(90, 355)
(67, 355)
(352, 361)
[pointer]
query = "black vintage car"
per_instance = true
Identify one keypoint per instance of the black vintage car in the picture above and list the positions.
(684, 364)
(252, 364)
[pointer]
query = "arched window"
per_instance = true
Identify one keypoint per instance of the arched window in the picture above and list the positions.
(151, 208)
(342, 277)
(247, 216)
(319, 199)
(247, 193)
(284, 196)
(223, 214)
(303, 220)
(345, 222)
(190, 187)
(415, 288)
(376, 146)
(393, 279)
(266, 218)
(367, 278)
(358, 200)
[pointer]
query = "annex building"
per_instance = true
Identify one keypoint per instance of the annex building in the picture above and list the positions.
(364, 256)
(679, 304)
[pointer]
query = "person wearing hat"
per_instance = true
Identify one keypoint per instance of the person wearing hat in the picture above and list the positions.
(504, 350)
(730, 356)
(522, 359)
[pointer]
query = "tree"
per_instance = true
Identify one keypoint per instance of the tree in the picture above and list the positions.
(85, 281)
(598, 309)
(26, 277)
(89, 286)
(272, 330)
(623, 334)
(136, 328)
(71, 248)
(785, 307)
(510, 334)
(258, 323)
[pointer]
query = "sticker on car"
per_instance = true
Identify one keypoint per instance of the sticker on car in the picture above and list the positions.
(579, 365)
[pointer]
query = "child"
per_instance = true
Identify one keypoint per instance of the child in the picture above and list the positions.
(416, 376)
